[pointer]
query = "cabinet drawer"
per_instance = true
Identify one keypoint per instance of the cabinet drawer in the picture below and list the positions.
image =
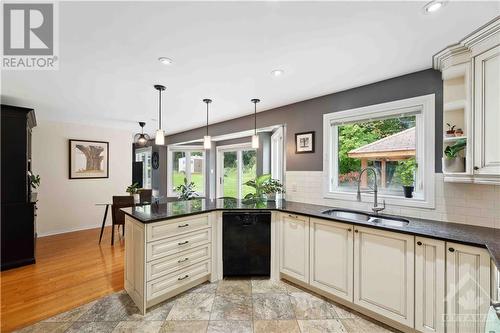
(167, 265)
(177, 244)
(168, 283)
(161, 230)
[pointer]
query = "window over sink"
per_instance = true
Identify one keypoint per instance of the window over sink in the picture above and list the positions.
(395, 138)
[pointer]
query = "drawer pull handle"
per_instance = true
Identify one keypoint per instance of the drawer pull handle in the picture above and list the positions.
(451, 249)
(182, 278)
(349, 229)
(183, 243)
(184, 225)
(182, 260)
(293, 216)
(419, 243)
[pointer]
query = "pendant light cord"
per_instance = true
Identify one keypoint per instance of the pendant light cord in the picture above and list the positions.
(255, 118)
(207, 118)
(159, 109)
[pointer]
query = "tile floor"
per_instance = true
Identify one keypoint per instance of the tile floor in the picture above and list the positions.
(231, 305)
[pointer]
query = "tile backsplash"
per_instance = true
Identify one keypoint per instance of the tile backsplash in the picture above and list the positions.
(460, 203)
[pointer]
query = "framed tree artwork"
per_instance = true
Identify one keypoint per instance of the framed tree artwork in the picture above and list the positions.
(304, 142)
(88, 159)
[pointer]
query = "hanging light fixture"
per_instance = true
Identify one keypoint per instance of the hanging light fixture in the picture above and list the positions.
(255, 137)
(160, 134)
(207, 140)
(141, 139)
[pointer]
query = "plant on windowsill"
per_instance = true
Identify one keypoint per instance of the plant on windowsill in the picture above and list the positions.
(264, 186)
(134, 191)
(405, 172)
(452, 162)
(186, 191)
(34, 184)
(451, 130)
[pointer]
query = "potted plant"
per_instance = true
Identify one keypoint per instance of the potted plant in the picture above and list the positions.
(34, 184)
(452, 162)
(134, 190)
(405, 172)
(264, 186)
(186, 191)
(450, 132)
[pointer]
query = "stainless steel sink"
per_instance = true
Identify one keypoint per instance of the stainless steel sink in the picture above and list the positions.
(389, 221)
(346, 214)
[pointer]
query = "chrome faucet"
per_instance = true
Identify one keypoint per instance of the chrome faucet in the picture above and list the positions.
(376, 208)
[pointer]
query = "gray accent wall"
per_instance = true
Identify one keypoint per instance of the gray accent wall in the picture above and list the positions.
(308, 115)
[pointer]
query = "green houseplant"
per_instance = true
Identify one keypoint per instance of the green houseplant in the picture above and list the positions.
(186, 191)
(34, 184)
(134, 191)
(264, 185)
(405, 172)
(452, 161)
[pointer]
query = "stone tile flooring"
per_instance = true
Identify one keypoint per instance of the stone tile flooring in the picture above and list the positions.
(231, 305)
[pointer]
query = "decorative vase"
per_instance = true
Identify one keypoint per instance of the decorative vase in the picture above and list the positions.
(137, 198)
(408, 191)
(456, 164)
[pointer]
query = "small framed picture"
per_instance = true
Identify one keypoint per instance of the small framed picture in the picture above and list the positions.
(304, 142)
(88, 159)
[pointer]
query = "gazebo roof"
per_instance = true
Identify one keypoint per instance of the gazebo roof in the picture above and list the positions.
(397, 146)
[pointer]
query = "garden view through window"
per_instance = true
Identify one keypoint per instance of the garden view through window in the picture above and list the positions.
(389, 145)
(239, 167)
(190, 165)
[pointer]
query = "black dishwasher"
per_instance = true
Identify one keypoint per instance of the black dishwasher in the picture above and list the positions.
(246, 243)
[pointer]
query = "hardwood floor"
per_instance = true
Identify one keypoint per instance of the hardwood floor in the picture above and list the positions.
(71, 269)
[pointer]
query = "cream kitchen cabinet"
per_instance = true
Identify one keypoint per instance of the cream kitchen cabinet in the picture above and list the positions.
(384, 273)
(467, 288)
(430, 289)
(487, 113)
(294, 246)
(331, 257)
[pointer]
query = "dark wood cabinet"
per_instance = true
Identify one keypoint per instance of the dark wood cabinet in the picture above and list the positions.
(18, 212)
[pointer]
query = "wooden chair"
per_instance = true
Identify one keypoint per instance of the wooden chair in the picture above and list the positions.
(117, 216)
(145, 195)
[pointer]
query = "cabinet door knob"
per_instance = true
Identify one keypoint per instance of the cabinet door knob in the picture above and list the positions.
(349, 229)
(451, 249)
(355, 230)
(419, 243)
(476, 168)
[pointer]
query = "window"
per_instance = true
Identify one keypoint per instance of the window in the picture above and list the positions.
(144, 155)
(186, 162)
(395, 138)
(237, 164)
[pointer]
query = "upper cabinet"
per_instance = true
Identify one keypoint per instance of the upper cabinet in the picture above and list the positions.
(471, 106)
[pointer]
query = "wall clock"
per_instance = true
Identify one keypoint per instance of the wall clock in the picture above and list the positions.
(155, 160)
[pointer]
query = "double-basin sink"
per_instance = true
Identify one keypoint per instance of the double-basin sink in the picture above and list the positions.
(363, 217)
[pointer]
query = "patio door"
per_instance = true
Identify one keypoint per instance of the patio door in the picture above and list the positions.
(236, 164)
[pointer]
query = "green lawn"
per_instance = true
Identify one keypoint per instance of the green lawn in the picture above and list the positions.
(230, 181)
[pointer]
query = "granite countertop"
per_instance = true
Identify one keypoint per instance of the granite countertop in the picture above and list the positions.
(488, 238)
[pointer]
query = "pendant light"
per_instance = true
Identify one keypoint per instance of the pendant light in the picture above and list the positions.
(141, 139)
(160, 134)
(255, 137)
(207, 140)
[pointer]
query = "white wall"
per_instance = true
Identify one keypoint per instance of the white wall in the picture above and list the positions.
(460, 203)
(69, 204)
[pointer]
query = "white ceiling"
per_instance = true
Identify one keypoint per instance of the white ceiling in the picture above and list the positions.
(226, 51)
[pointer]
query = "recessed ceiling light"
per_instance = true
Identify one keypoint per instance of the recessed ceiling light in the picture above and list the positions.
(277, 72)
(165, 60)
(433, 6)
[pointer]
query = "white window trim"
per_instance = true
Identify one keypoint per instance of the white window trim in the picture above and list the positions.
(188, 149)
(425, 137)
(238, 148)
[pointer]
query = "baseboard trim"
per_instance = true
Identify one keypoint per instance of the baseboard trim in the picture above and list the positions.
(65, 231)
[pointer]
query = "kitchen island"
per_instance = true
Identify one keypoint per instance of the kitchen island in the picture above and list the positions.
(172, 247)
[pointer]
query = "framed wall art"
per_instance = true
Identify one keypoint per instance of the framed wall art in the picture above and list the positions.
(304, 142)
(88, 159)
